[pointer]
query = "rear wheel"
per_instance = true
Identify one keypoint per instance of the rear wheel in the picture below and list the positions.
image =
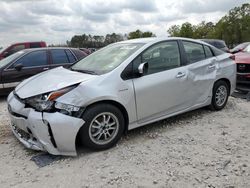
(220, 95)
(104, 125)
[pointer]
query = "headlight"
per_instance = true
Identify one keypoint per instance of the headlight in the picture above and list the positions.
(67, 107)
(45, 102)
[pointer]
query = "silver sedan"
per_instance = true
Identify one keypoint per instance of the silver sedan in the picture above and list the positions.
(118, 88)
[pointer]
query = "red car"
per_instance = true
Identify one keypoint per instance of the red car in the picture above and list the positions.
(5, 52)
(243, 69)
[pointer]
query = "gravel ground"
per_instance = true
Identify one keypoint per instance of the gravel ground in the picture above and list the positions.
(196, 149)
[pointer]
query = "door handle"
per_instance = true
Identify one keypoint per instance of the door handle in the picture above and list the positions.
(211, 66)
(46, 68)
(180, 74)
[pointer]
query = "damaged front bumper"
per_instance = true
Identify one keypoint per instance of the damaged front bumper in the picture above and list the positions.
(52, 132)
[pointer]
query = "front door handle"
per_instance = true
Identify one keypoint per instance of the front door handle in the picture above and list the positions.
(46, 68)
(211, 66)
(180, 74)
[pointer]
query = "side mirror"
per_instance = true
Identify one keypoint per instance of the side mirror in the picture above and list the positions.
(143, 69)
(18, 67)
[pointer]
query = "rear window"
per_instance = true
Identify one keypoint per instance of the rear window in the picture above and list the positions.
(35, 45)
(79, 54)
(194, 51)
(208, 52)
(217, 51)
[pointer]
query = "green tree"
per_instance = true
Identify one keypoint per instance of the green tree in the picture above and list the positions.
(139, 34)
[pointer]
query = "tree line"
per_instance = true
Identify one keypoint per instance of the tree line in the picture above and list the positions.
(98, 41)
(233, 28)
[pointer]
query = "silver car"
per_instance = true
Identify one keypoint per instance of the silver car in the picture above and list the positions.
(118, 88)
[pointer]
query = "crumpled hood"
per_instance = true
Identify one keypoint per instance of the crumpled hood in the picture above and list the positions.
(51, 80)
(242, 57)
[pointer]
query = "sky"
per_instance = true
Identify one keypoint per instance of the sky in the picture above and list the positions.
(56, 21)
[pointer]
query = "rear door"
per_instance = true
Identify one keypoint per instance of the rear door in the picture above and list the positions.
(201, 71)
(32, 63)
(61, 57)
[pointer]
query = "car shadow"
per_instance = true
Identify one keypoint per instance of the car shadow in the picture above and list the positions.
(149, 130)
(3, 98)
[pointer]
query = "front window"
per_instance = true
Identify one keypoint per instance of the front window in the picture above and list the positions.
(32, 59)
(106, 59)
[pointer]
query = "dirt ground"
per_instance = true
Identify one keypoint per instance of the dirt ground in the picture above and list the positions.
(197, 149)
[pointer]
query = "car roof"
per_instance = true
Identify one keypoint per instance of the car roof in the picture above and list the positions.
(213, 40)
(48, 48)
(159, 39)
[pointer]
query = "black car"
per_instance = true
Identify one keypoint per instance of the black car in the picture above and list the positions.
(220, 44)
(29, 62)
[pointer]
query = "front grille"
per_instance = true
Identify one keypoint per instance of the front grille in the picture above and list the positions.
(243, 68)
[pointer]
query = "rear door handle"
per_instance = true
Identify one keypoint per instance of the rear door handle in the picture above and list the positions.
(46, 68)
(180, 74)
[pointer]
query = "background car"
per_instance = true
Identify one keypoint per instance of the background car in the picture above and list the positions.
(118, 88)
(5, 52)
(220, 44)
(239, 48)
(243, 69)
(29, 62)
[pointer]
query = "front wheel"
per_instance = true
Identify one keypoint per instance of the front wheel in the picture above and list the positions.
(104, 126)
(220, 95)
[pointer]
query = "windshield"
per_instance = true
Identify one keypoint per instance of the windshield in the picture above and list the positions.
(10, 58)
(247, 49)
(106, 59)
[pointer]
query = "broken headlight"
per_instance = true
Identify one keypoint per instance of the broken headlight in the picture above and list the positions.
(46, 102)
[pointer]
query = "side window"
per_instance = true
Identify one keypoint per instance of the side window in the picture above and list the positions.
(59, 56)
(217, 51)
(162, 56)
(35, 45)
(208, 52)
(16, 48)
(71, 57)
(33, 59)
(79, 54)
(194, 51)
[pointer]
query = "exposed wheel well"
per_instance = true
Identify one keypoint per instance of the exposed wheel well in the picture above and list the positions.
(227, 81)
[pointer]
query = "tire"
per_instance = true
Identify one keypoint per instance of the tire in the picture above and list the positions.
(218, 103)
(97, 128)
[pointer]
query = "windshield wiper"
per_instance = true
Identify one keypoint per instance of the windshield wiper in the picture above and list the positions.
(84, 71)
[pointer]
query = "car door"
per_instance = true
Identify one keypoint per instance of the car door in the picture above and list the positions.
(28, 65)
(61, 57)
(201, 71)
(163, 89)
